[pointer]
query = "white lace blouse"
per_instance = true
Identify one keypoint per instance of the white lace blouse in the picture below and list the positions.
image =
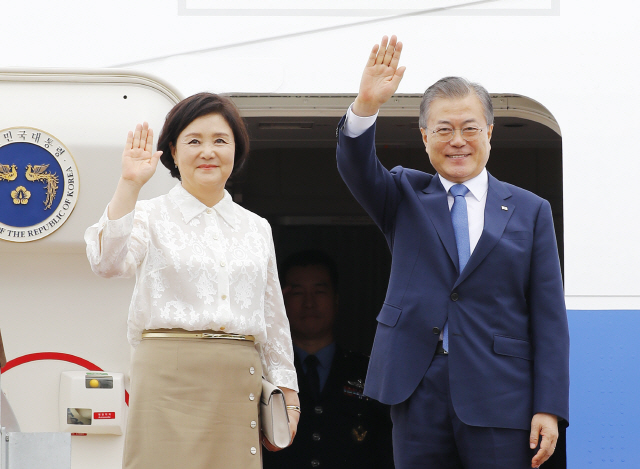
(198, 268)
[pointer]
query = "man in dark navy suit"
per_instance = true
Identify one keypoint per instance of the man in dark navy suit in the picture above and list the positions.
(472, 344)
(339, 427)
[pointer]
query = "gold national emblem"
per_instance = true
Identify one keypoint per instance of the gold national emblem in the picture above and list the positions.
(20, 196)
(34, 166)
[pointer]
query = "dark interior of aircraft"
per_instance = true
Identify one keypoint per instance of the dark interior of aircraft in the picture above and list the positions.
(291, 179)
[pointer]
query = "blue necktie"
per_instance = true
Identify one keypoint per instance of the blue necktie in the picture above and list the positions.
(461, 231)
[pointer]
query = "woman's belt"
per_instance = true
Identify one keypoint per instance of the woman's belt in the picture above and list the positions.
(182, 334)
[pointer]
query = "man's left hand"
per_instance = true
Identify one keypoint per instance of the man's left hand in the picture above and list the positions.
(543, 426)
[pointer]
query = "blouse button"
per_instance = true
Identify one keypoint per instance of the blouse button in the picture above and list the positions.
(252, 370)
(222, 328)
(224, 297)
(251, 397)
(215, 236)
(209, 210)
(222, 264)
(253, 450)
(253, 424)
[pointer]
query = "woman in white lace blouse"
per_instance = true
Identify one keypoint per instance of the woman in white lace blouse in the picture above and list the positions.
(207, 316)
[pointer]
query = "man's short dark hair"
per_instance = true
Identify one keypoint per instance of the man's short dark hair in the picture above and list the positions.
(199, 105)
(307, 258)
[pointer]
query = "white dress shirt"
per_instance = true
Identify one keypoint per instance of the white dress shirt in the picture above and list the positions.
(198, 268)
(476, 200)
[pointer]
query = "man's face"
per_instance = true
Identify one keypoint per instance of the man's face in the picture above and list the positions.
(311, 302)
(457, 160)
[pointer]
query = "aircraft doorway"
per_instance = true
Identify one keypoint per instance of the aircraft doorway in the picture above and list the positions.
(291, 179)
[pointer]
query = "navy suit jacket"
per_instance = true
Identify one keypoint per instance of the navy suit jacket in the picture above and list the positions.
(508, 333)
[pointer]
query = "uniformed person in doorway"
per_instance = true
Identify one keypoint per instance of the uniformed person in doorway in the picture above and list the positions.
(339, 428)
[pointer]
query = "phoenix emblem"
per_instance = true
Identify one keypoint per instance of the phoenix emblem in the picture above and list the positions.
(38, 173)
(8, 173)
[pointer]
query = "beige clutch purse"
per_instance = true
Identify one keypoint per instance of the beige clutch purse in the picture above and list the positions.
(273, 415)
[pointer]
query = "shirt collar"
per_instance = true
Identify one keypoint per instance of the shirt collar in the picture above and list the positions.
(190, 207)
(324, 355)
(478, 185)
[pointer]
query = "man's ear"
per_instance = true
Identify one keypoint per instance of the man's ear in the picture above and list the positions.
(489, 132)
(424, 137)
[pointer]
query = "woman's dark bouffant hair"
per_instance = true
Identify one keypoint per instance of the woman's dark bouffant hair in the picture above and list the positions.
(198, 105)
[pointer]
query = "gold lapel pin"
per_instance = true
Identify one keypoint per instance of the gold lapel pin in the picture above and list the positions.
(505, 208)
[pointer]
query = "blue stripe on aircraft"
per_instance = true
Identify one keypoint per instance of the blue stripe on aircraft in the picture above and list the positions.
(605, 390)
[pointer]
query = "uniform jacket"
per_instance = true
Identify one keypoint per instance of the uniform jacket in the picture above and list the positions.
(343, 429)
(508, 332)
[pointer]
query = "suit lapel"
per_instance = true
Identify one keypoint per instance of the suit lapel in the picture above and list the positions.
(495, 221)
(435, 204)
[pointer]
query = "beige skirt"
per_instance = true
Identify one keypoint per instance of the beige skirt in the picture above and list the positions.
(194, 404)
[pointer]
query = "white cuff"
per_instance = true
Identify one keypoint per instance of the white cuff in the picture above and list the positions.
(354, 125)
(116, 228)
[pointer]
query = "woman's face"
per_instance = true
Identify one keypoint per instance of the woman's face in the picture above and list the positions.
(204, 153)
